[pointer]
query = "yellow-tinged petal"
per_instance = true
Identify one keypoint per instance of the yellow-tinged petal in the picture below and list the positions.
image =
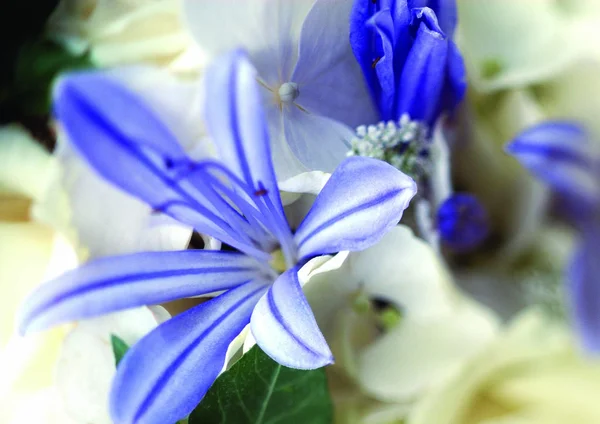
(25, 250)
(125, 32)
(438, 327)
(531, 374)
(512, 43)
(24, 164)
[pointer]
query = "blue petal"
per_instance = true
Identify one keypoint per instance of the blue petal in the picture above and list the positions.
(380, 42)
(363, 43)
(445, 11)
(424, 73)
(235, 119)
(121, 282)
(129, 146)
(456, 79)
(328, 77)
(560, 154)
(164, 376)
(285, 327)
(384, 64)
(362, 200)
(584, 289)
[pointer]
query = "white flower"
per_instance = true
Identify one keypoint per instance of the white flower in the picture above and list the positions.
(86, 365)
(512, 43)
(128, 31)
(31, 252)
(531, 374)
(396, 358)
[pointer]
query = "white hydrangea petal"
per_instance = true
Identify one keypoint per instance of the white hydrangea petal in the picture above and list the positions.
(514, 43)
(87, 364)
(108, 221)
(438, 330)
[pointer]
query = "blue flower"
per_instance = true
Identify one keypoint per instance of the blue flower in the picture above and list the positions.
(561, 154)
(408, 59)
(164, 376)
(462, 222)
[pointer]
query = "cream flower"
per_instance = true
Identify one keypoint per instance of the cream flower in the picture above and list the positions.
(128, 31)
(64, 373)
(530, 375)
(515, 201)
(512, 43)
(424, 332)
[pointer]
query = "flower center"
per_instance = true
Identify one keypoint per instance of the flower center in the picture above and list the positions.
(288, 92)
(278, 261)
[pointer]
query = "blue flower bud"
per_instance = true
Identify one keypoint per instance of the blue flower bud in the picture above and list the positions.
(410, 64)
(462, 222)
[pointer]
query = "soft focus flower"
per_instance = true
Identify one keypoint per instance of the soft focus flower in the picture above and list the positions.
(29, 252)
(527, 62)
(530, 374)
(312, 86)
(562, 155)
(107, 221)
(408, 59)
(515, 202)
(43, 370)
(236, 201)
(394, 320)
(128, 32)
(512, 43)
(86, 364)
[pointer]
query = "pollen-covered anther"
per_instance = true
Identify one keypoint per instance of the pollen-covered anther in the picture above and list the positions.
(288, 92)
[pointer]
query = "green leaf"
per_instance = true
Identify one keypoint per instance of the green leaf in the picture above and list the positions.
(119, 348)
(38, 63)
(257, 390)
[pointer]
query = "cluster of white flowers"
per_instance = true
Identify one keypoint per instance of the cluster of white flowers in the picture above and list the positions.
(404, 144)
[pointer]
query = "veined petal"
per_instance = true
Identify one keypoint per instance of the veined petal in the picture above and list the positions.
(445, 11)
(456, 79)
(560, 154)
(361, 40)
(362, 200)
(121, 282)
(383, 64)
(268, 29)
(424, 72)
(328, 76)
(285, 327)
(584, 289)
(236, 120)
(129, 146)
(109, 221)
(319, 143)
(164, 376)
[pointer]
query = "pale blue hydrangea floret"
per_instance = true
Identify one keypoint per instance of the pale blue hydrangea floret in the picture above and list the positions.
(234, 199)
(563, 155)
(313, 92)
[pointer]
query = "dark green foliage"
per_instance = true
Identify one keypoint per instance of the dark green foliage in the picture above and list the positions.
(257, 390)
